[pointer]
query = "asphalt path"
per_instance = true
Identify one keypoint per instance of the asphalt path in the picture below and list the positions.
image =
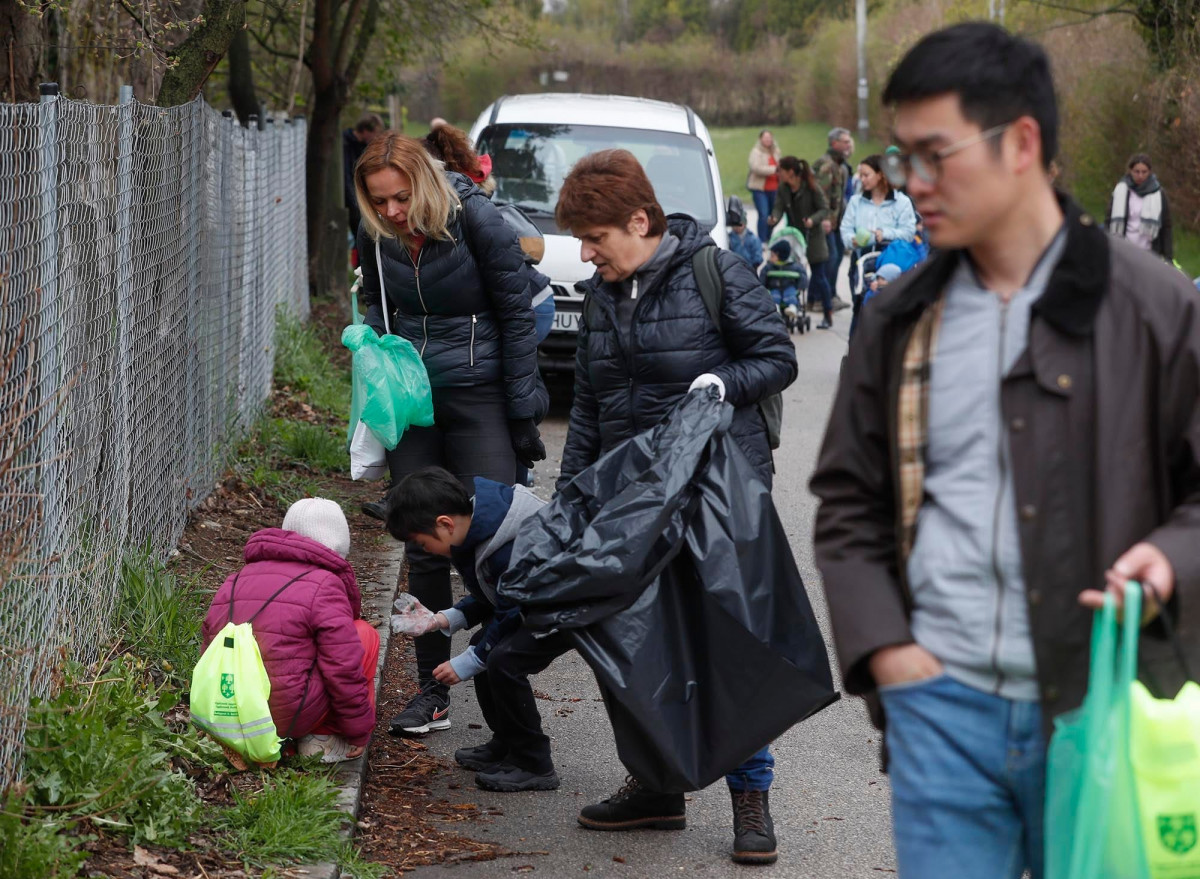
(829, 801)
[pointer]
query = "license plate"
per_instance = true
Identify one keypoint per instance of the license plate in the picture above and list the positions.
(566, 322)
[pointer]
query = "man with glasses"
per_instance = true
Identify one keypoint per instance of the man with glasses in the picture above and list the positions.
(1017, 430)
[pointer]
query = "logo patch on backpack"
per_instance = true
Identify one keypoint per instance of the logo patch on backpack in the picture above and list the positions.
(1177, 832)
(227, 686)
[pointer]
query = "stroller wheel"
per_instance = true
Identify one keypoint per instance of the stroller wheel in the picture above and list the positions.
(808, 323)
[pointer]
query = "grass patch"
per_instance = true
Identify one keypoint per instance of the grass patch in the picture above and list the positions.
(281, 459)
(302, 363)
(293, 816)
(314, 445)
(159, 618)
(34, 849)
(807, 140)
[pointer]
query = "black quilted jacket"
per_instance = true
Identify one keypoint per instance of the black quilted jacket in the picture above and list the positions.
(466, 303)
(621, 392)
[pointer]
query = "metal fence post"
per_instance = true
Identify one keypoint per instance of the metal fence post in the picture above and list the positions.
(47, 331)
(124, 296)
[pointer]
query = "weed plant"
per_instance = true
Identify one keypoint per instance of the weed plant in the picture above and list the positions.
(158, 618)
(302, 363)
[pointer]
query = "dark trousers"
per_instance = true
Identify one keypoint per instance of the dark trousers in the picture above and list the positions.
(836, 251)
(818, 290)
(506, 697)
(469, 438)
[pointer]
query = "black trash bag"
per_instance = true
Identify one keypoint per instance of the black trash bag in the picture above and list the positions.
(667, 563)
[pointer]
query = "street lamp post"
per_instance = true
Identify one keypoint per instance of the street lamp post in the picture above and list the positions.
(860, 22)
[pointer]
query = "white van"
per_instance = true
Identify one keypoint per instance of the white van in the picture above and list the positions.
(534, 140)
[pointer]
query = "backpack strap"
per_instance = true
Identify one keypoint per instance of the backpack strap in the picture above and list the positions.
(233, 586)
(710, 281)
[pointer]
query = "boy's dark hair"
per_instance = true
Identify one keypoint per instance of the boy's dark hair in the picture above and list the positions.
(415, 502)
(997, 76)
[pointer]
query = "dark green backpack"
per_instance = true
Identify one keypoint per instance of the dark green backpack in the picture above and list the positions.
(712, 290)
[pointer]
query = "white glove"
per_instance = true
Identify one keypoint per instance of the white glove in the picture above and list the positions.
(703, 381)
(412, 617)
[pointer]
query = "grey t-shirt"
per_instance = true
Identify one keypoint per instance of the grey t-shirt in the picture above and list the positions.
(969, 604)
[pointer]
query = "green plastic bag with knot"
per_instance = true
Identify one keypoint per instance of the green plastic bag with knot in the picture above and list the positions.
(390, 385)
(1093, 828)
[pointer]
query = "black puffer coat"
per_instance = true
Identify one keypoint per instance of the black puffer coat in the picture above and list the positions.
(620, 393)
(466, 303)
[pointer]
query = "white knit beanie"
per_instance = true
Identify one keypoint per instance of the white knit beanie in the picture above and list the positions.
(322, 520)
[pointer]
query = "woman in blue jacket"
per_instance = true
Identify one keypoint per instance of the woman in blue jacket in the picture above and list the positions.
(875, 217)
(455, 284)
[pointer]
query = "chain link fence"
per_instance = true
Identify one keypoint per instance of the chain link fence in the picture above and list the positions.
(145, 253)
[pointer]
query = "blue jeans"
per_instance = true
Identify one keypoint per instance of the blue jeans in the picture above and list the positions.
(543, 318)
(757, 773)
(818, 289)
(968, 774)
(764, 203)
(786, 296)
(836, 251)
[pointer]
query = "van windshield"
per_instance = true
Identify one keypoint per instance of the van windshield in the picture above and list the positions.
(531, 161)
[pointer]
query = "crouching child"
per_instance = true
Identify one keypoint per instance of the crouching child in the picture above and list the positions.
(301, 597)
(432, 508)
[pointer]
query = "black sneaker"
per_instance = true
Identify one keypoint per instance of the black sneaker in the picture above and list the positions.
(426, 713)
(376, 510)
(635, 808)
(481, 758)
(507, 778)
(753, 829)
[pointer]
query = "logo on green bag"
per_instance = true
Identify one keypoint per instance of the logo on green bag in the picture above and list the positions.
(227, 692)
(1177, 832)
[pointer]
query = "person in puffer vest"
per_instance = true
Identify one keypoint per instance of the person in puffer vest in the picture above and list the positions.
(319, 653)
(432, 508)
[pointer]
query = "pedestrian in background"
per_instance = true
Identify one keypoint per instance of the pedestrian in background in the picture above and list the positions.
(802, 200)
(354, 143)
(833, 173)
(1138, 210)
(456, 286)
(962, 548)
(763, 179)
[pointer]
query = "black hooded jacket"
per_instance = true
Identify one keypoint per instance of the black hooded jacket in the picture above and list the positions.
(465, 304)
(624, 386)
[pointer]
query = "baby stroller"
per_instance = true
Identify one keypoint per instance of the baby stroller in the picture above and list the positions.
(798, 318)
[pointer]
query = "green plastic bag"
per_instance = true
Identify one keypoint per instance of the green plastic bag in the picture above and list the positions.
(1165, 748)
(1092, 827)
(390, 385)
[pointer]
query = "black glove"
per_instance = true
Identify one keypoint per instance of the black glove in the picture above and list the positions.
(526, 441)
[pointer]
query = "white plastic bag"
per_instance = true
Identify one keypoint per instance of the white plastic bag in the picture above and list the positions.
(368, 457)
(412, 618)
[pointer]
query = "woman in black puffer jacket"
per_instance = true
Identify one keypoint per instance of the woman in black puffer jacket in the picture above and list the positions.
(458, 288)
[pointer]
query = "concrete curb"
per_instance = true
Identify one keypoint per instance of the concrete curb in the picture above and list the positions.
(377, 598)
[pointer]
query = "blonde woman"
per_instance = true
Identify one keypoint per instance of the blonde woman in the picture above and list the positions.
(457, 287)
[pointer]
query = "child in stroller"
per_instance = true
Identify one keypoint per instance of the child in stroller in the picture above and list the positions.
(787, 280)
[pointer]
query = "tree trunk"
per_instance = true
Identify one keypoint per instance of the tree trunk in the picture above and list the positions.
(196, 56)
(326, 220)
(242, 92)
(20, 37)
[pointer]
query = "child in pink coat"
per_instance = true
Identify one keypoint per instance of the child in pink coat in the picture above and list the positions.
(319, 654)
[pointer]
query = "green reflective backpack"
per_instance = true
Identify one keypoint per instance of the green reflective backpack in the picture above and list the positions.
(231, 691)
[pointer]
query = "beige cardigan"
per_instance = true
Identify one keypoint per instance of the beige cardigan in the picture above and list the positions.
(760, 166)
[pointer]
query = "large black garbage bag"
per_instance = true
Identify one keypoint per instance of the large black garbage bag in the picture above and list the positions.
(668, 564)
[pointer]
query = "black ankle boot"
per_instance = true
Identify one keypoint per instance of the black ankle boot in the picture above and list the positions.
(635, 808)
(753, 829)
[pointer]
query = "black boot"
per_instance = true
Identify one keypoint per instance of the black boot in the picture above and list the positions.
(481, 758)
(753, 829)
(635, 808)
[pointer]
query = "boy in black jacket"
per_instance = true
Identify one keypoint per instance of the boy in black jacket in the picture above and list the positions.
(431, 507)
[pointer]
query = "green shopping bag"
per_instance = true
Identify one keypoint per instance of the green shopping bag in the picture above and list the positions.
(1165, 751)
(1092, 826)
(390, 389)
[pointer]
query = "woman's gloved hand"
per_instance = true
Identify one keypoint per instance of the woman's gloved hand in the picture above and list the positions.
(703, 381)
(526, 441)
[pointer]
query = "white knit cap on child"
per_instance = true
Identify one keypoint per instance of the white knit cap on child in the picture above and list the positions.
(322, 520)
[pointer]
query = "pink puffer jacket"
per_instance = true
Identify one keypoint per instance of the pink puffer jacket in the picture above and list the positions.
(311, 621)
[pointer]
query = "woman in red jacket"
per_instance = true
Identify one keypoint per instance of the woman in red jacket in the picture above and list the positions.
(319, 654)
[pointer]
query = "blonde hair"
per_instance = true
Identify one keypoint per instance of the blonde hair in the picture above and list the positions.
(432, 202)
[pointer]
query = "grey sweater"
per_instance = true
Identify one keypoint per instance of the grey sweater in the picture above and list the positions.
(968, 587)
